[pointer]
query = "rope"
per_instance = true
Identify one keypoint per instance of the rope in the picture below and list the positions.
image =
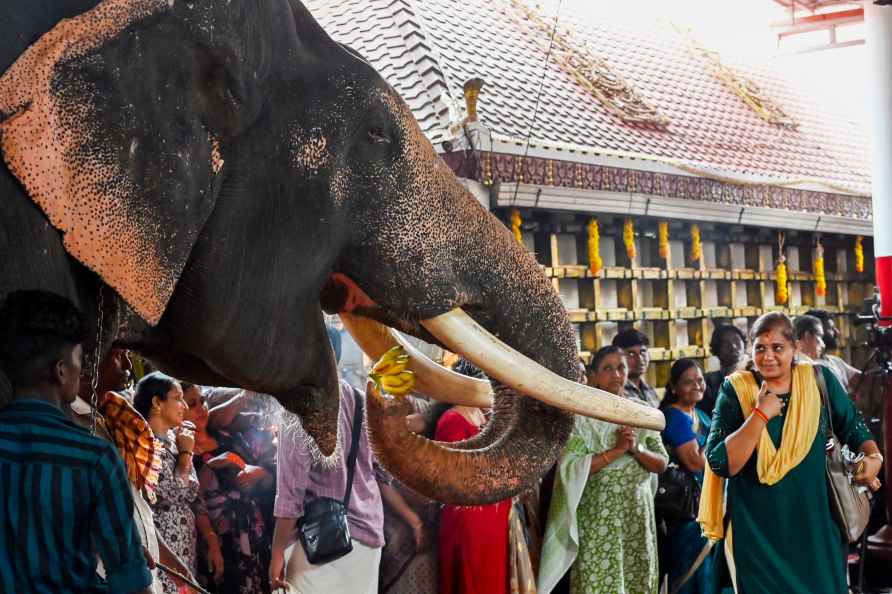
(526, 149)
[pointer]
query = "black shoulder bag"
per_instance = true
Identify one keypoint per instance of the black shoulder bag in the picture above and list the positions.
(323, 529)
(849, 503)
(678, 492)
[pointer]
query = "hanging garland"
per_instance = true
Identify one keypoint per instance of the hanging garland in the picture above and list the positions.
(696, 244)
(859, 254)
(820, 277)
(594, 247)
(781, 294)
(629, 238)
(664, 239)
(516, 222)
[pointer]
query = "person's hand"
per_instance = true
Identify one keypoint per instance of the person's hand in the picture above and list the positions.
(215, 557)
(248, 478)
(418, 534)
(277, 571)
(868, 475)
(625, 439)
(226, 460)
(185, 437)
(415, 423)
(768, 402)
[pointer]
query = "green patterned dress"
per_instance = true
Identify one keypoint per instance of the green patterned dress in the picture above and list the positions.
(602, 524)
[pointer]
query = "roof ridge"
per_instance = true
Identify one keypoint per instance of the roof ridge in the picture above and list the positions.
(433, 75)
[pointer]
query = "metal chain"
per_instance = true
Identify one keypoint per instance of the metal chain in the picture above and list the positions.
(94, 379)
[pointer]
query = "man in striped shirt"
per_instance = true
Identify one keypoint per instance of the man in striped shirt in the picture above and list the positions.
(64, 495)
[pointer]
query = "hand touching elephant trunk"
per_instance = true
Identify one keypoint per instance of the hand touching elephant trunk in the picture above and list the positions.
(524, 436)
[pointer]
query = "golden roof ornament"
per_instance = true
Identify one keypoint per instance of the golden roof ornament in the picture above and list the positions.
(471, 91)
(592, 73)
(743, 87)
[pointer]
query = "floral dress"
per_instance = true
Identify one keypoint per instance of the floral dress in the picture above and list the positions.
(601, 526)
(178, 502)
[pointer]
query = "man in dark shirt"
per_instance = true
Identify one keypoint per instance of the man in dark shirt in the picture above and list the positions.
(728, 343)
(635, 344)
(64, 494)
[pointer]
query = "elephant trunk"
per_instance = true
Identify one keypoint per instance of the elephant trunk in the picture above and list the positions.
(525, 436)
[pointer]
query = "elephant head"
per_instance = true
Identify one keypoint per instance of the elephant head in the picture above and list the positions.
(230, 172)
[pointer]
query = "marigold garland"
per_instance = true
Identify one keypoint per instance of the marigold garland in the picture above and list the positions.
(781, 295)
(859, 254)
(516, 222)
(696, 244)
(820, 277)
(629, 238)
(664, 239)
(594, 247)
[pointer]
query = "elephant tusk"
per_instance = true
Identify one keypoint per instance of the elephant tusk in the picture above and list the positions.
(431, 379)
(461, 334)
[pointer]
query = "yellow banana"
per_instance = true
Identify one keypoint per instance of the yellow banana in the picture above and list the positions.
(390, 373)
(392, 367)
(392, 381)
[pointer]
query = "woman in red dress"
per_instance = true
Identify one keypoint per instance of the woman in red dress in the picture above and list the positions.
(473, 540)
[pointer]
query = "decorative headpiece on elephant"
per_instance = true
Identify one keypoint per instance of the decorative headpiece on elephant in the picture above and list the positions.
(220, 173)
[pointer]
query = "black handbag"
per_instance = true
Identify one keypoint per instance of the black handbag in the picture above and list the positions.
(678, 494)
(849, 503)
(323, 529)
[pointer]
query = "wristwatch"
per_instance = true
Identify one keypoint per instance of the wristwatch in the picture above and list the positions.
(639, 448)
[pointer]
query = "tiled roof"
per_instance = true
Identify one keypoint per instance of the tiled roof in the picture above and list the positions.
(427, 48)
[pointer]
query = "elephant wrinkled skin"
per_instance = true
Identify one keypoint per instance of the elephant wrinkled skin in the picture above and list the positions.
(221, 172)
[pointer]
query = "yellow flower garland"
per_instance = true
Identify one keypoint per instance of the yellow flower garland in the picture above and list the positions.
(781, 294)
(629, 238)
(820, 277)
(696, 244)
(664, 239)
(594, 247)
(859, 254)
(516, 222)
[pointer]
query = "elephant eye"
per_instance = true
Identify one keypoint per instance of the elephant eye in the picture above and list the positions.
(378, 136)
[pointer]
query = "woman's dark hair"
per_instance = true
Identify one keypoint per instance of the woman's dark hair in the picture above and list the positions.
(679, 368)
(806, 324)
(821, 314)
(36, 327)
(775, 320)
(602, 354)
(719, 333)
(154, 384)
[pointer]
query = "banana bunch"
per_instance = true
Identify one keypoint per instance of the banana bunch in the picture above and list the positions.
(390, 374)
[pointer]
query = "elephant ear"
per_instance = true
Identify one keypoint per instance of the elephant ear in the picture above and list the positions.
(113, 122)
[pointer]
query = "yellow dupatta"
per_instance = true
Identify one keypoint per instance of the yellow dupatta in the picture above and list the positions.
(772, 464)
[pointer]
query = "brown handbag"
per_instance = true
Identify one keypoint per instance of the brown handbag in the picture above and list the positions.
(849, 503)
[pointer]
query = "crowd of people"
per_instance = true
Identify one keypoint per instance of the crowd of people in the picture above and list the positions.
(166, 486)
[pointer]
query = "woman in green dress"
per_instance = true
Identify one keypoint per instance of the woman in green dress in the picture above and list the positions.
(601, 521)
(767, 440)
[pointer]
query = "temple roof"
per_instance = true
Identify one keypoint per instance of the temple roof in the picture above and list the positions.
(428, 49)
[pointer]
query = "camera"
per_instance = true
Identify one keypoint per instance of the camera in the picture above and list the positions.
(879, 336)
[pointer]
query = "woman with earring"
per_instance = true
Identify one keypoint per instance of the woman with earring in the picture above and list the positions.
(159, 399)
(765, 485)
(601, 524)
(687, 428)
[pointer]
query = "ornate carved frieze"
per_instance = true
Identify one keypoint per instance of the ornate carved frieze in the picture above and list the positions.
(492, 168)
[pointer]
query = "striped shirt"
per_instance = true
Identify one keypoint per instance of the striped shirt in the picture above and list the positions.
(64, 497)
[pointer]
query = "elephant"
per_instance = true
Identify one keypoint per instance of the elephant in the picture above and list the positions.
(205, 179)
